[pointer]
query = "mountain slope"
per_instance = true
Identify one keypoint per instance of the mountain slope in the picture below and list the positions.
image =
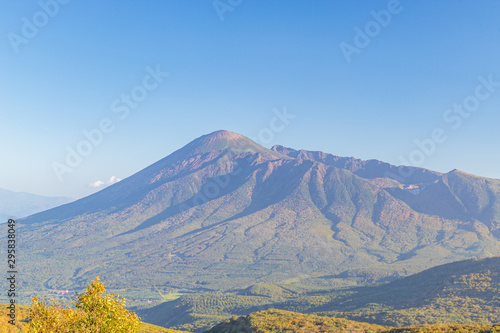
(224, 213)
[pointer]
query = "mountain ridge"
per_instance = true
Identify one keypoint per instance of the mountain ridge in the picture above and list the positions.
(21, 204)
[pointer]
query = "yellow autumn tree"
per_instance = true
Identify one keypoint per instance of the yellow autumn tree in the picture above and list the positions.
(92, 311)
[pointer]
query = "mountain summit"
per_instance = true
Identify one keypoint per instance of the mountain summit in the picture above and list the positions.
(222, 140)
(226, 142)
(224, 212)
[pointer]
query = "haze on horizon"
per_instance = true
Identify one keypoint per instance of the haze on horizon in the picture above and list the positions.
(151, 77)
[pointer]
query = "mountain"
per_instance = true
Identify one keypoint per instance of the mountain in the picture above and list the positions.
(224, 213)
(21, 204)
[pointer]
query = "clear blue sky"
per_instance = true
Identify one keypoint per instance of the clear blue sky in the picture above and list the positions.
(64, 77)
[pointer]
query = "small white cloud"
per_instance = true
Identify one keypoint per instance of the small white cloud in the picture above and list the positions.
(113, 180)
(100, 183)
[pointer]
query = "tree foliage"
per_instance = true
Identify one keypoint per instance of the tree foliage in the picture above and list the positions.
(91, 311)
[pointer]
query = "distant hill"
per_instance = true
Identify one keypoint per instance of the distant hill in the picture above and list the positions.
(21, 204)
(284, 321)
(268, 290)
(277, 321)
(465, 292)
(224, 213)
(199, 312)
(442, 328)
